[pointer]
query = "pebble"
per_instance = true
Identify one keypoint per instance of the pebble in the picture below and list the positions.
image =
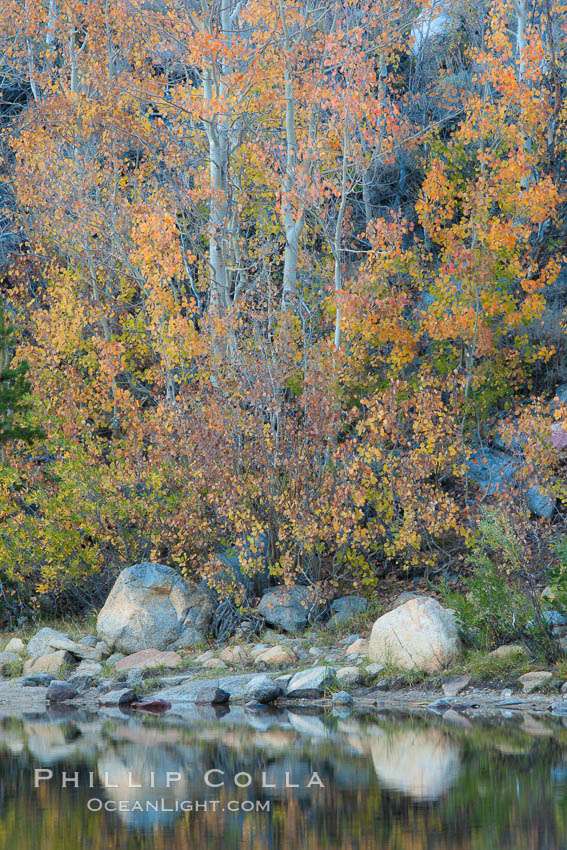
(342, 698)
(211, 695)
(124, 696)
(349, 676)
(60, 691)
(439, 705)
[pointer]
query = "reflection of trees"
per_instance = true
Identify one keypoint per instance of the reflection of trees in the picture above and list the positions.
(487, 788)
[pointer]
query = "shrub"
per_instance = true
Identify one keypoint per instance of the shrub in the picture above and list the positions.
(502, 603)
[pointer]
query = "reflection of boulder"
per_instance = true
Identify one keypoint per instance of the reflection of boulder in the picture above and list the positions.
(307, 725)
(12, 741)
(53, 742)
(275, 740)
(422, 763)
(290, 777)
(134, 764)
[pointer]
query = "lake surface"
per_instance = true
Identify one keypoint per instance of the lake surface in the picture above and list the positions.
(280, 780)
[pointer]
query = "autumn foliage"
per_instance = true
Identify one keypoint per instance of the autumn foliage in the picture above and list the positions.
(280, 267)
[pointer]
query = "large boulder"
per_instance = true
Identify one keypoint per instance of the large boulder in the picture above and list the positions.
(152, 607)
(288, 607)
(419, 635)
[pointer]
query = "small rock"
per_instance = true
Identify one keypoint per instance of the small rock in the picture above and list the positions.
(38, 680)
(262, 689)
(314, 650)
(89, 640)
(345, 608)
(60, 691)
(51, 662)
(83, 682)
(349, 604)
(508, 649)
(214, 664)
(211, 695)
(342, 698)
(395, 683)
(172, 681)
(89, 668)
(40, 644)
(147, 659)
(533, 680)
(276, 655)
(554, 619)
(359, 647)
(540, 502)
(123, 696)
(559, 708)
(103, 649)
(454, 686)
(15, 645)
(374, 669)
(311, 684)
(258, 649)
(404, 597)
(283, 682)
(152, 706)
(114, 658)
(349, 676)
(289, 607)
(109, 685)
(439, 705)
(346, 641)
(204, 656)
(79, 650)
(234, 655)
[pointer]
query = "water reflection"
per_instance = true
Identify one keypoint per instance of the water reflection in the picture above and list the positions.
(391, 782)
(422, 763)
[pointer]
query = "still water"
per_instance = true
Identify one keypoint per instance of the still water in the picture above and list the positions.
(72, 781)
